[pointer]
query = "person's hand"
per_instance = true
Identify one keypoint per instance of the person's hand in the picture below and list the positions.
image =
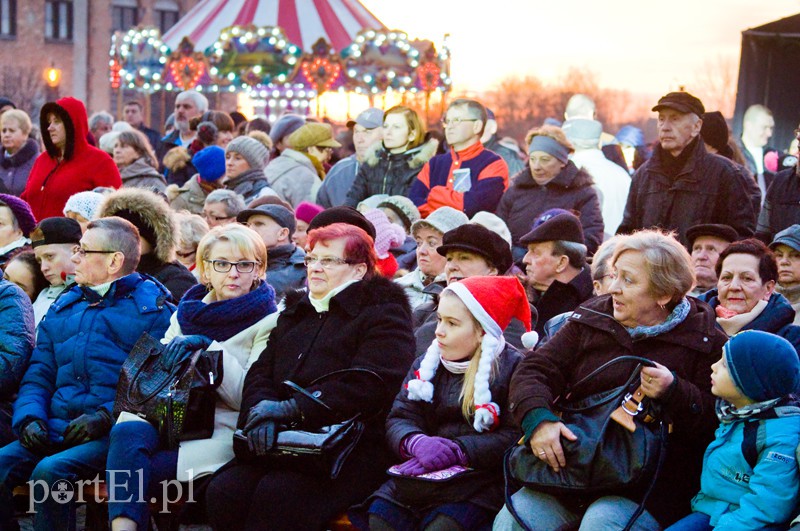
(656, 380)
(87, 427)
(34, 437)
(181, 347)
(283, 410)
(261, 437)
(546, 443)
(435, 453)
(412, 467)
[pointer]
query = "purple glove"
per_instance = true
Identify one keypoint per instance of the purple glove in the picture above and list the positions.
(412, 467)
(435, 453)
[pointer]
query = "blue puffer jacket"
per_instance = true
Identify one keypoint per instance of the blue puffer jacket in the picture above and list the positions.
(739, 496)
(16, 338)
(81, 345)
(777, 317)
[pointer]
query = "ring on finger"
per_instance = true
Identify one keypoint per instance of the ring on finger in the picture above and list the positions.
(542, 452)
(650, 380)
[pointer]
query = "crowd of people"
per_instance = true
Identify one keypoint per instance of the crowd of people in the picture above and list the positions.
(446, 287)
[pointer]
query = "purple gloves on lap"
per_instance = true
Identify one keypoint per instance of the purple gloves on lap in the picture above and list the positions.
(430, 454)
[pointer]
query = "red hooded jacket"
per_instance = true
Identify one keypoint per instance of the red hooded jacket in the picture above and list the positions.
(84, 167)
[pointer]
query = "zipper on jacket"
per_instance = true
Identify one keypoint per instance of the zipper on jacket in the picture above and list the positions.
(385, 175)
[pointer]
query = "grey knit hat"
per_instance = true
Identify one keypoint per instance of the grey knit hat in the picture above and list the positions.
(254, 152)
(443, 219)
(405, 209)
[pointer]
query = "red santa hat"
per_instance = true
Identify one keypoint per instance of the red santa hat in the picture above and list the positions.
(493, 301)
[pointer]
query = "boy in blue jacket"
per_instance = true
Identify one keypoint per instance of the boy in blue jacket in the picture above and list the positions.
(750, 476)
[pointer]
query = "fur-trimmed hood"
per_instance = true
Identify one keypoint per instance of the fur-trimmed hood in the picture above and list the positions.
(153, 209)
(415, 158)
(177, 159)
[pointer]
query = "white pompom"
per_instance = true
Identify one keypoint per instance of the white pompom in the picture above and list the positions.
(420, 390)
(529, 339)
(484, 420)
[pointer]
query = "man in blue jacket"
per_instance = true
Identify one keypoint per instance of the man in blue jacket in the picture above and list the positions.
(63, 410)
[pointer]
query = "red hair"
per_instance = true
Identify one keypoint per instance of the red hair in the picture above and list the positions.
(358, 248)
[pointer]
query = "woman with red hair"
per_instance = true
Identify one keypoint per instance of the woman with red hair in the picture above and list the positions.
(350, 318)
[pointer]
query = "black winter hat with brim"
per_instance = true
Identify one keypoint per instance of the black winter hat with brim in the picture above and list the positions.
(481, 241)
(564, 227)
(342, 214)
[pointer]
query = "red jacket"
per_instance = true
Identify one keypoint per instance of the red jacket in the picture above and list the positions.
(84, 167)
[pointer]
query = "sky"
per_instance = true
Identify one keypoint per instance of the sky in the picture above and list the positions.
(644, 46)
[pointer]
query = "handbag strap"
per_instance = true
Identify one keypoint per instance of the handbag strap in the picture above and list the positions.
(315, 398)
(621, 359)
(139, 371)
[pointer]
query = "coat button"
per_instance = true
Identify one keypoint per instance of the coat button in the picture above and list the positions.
(316, 394)
(695, 408)
(705, 340)
(144, 307)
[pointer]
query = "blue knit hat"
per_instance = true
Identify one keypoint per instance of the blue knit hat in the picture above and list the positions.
(210, 163)
(762, 365)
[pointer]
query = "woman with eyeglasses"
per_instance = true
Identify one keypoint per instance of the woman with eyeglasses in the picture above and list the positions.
(350, 318)
(391, 166)
(232, 311)
(551, 180)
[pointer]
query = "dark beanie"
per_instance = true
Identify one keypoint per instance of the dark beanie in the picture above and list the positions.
(563, 227)
(342, 214)
(715, 131)
(762, 365)
(22, 212)
(145, 230)
(481, 241)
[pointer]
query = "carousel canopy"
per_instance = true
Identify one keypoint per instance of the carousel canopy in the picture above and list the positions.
(303, 21)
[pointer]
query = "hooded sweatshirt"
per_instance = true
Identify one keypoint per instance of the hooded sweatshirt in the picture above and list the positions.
(84, 167)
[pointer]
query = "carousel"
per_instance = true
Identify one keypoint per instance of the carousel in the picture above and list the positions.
(268, 57)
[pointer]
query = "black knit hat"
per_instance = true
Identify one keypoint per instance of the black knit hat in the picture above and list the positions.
(718, 230)
(56, 230)
(479, 240)
(342, 214)
(564, 227)
(715, 132)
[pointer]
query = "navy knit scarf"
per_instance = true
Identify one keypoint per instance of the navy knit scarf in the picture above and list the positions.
(221, 320)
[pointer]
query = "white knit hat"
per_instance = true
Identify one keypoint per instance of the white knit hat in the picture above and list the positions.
(493, 301)
(84, 203)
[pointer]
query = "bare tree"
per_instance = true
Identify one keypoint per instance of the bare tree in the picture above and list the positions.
(24, 86)
(715, 84)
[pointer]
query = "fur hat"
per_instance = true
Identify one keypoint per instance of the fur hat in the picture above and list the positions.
(493, 301)
(405, 209)
(387, 234)
(254, 152)
(210, 163)
(763, 366)
(493, 223)
(150, 213)
(21, 210)
(85, 204)
(306, 211)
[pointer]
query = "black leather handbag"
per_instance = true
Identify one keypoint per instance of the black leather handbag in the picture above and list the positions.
(606, 456)
(323, 451)
(179, 401)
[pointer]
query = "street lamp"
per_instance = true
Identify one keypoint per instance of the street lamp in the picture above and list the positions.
(52, 76)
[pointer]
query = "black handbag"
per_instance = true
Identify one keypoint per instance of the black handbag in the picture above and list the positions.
(179, 401)
(323, 451)
(606, 456)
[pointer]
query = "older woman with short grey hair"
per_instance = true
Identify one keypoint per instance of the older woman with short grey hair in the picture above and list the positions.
(222, 207)
(645, 313)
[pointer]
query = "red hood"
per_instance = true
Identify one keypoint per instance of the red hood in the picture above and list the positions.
(73, 113)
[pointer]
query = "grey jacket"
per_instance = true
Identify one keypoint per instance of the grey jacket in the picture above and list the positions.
(293, 177)
(140, 174)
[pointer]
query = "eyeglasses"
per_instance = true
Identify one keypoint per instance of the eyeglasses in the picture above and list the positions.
(457, 121)
(83, 252)
(216, 218)
(223, 266)
(326, 262)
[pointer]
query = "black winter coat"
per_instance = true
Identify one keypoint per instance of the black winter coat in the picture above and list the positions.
(709, 189)
(560, 298)
(571, 189)
(285, 269)
(443, 418)
(781, 205)
(386, 173)
(592, 337)
(173, 275)
(368, 325)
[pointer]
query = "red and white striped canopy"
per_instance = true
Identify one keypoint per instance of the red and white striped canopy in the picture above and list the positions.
(304, 21)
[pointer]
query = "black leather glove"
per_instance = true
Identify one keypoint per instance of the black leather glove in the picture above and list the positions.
(261, 438)
(34, 437)
(181, 347)
(285, 411)
(87, 427)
